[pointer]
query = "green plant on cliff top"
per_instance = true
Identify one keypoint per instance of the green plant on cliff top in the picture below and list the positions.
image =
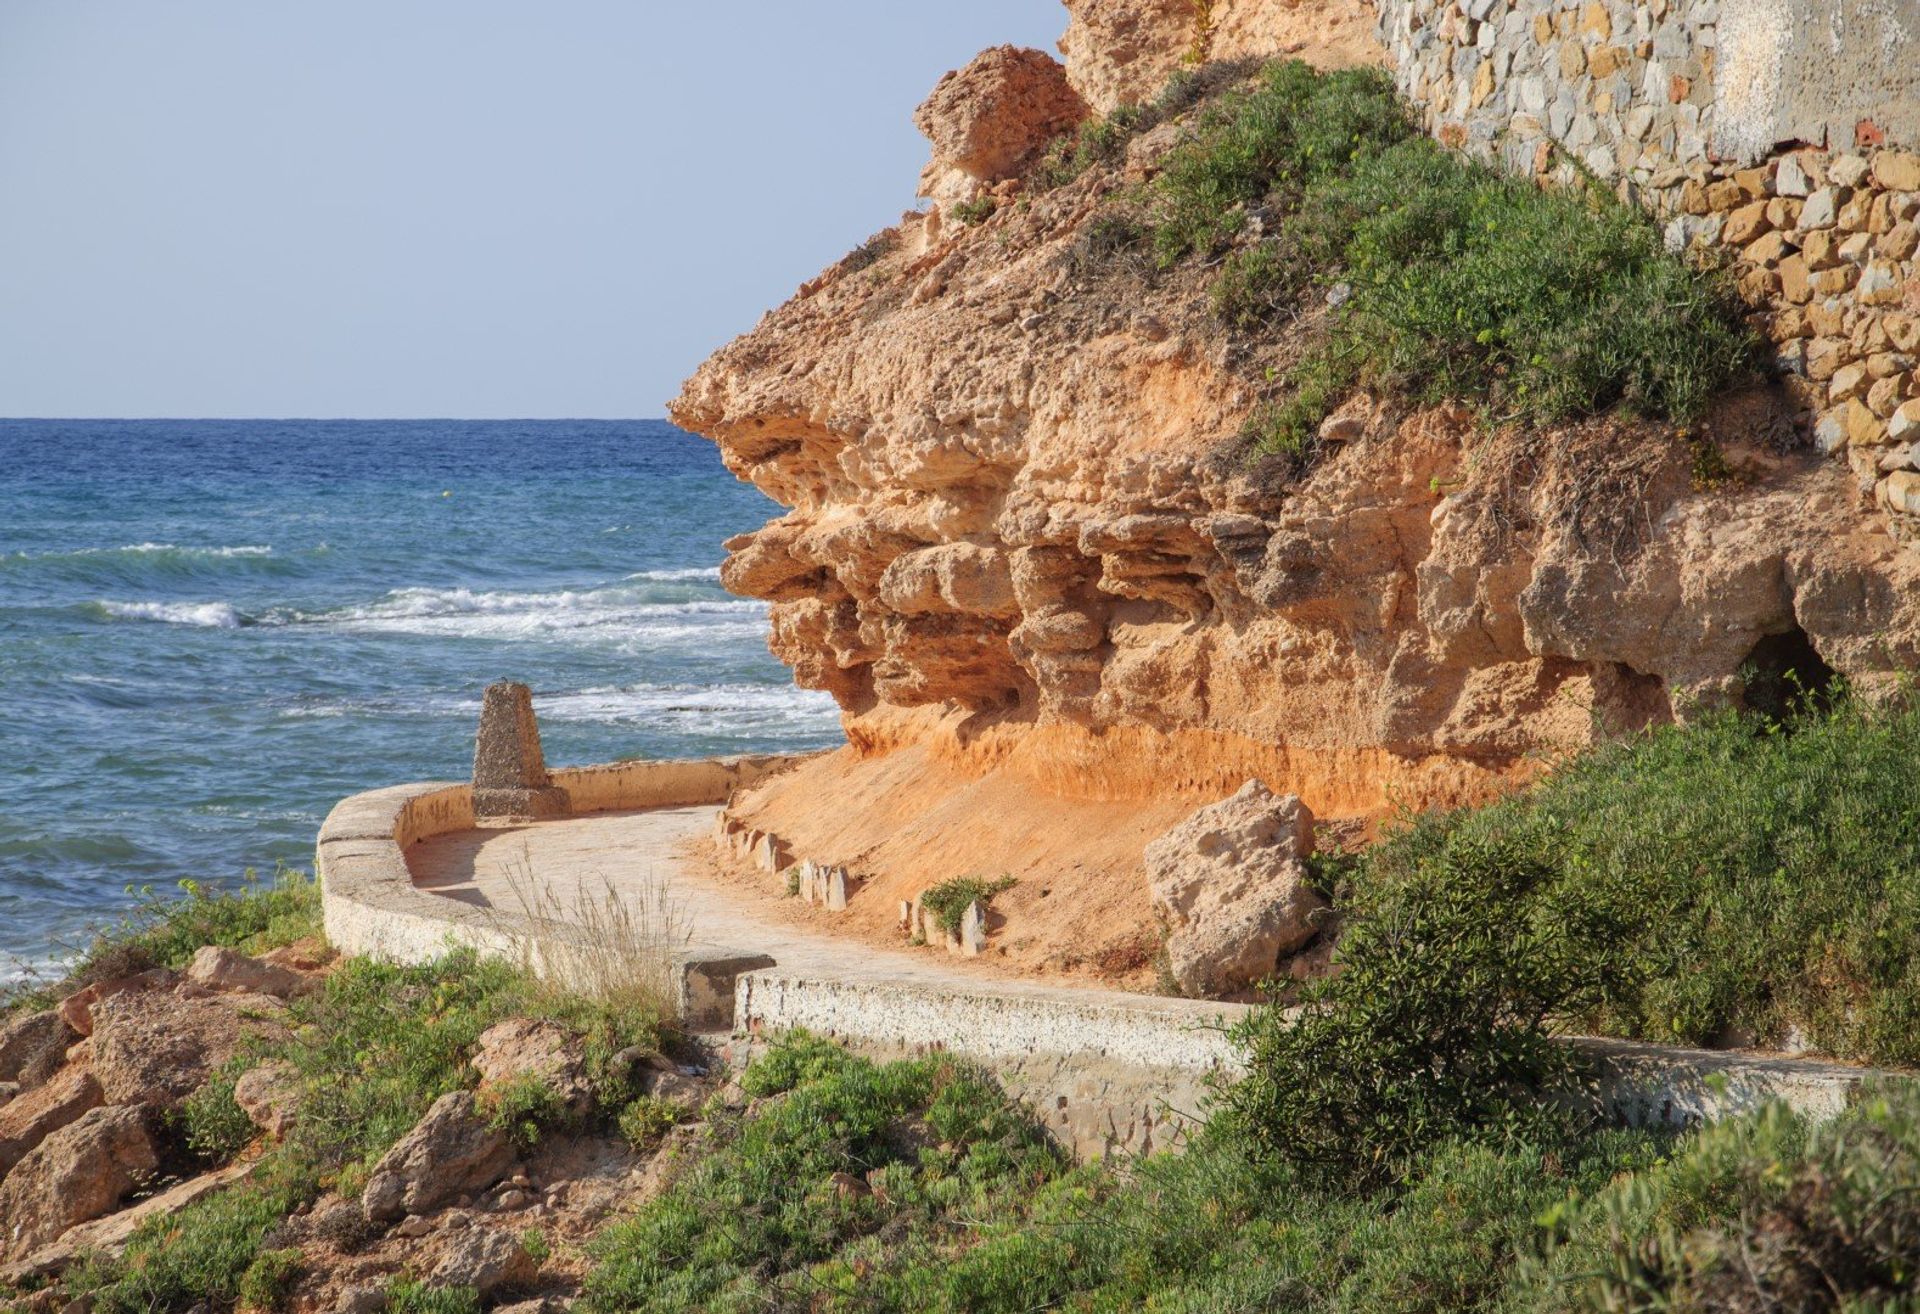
(1457, 280)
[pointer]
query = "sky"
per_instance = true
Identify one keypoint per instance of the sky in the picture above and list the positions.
(475, 208)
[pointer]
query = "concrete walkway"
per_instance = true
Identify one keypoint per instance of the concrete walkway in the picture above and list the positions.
(555, 869)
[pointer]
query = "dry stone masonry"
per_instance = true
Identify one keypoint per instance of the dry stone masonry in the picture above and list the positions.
(1774, 131)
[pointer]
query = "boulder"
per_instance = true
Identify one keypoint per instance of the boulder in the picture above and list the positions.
(993, 118)
(484, 1258)
(76, 1010)
(77, 1174)
(1231, 889)
(27, 1121)
(270, 1097)
(157, 1049)
(449, 1153)
(546, 1052)
(32, 1046)
(220, 969)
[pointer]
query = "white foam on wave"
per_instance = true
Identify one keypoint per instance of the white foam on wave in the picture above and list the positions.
(206, 615)
(671, 576)
(144, 549)
(629, 609)
(725, 705)
(764, 707)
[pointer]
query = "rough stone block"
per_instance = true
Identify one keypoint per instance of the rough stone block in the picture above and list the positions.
(510, 780)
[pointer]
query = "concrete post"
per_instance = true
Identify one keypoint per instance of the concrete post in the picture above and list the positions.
(510, 780)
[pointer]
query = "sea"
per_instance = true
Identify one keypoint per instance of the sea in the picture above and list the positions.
(213, 630)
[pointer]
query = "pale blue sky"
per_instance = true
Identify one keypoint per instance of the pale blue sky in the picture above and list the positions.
(438, 207)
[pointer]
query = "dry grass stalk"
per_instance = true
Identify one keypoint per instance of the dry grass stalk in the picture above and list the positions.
(616, 948)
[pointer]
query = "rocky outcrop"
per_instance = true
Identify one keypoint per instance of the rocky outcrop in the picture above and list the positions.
(31, 1118)
(1062, 605)
(77, 1174)
(537, 1050)
(217, 968)
(1122, 52)
(450, 1152)
(992, 119)
(486, 1259)
(1232, 891)
(32, 1046)
(270, 1097)
(158, 1048)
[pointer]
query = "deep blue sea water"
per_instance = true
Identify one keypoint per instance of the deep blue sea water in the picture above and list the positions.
(210, 631)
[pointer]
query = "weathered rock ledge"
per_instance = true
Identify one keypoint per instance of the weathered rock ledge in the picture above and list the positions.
(1061, 608)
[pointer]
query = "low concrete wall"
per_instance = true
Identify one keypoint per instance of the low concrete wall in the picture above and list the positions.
(372, 908)
(1110, 1072)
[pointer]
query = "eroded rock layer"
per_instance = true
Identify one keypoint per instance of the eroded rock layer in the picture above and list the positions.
(1054, 593)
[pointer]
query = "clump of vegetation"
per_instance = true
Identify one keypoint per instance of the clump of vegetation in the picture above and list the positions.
(371, 1052)
(870, 252)
(803, 1202)
(158, 931)
(914, 1186)
(1740, 875)
(408, 1296)
(948, 900)
(646, 1119)
(1460, 281)
(1102, 142)
(269, 1279)
(1438, 1025)
(977, 211)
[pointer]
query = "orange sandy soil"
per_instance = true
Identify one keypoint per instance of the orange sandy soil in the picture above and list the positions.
(906, 819)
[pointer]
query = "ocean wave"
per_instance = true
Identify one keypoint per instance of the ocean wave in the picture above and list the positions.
(725, 704)
(654, 607)
(672, 576)
(780, 706)
(205, 615)
(145, 549)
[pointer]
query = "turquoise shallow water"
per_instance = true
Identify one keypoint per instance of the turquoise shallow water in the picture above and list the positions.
(212, 630)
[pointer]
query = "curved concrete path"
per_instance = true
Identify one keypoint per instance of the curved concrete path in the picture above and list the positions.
(548, 868)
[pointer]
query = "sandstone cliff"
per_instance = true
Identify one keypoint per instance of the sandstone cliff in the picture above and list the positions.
(1062, 606)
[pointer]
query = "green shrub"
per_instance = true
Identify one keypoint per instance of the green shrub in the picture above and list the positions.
(977, 211)
(1255, 283)
(1097, 142)
(1745, 877)
(270, 1279)
(776, 1207)
(159, 931)
(407, 1296)
(1437, 1026)
(201, 1253)
(212, 1126)
(1758, 1213)
(525, 1107)
(948, 900)
(646, 1119)
(1461, 282)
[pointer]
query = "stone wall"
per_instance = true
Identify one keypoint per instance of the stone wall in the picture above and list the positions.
(1772, 130)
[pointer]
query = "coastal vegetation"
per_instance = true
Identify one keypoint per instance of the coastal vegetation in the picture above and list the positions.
(1396, 1144)
(1440, 277)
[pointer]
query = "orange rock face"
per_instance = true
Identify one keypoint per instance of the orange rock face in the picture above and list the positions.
(1057, 596)
(991, 119)
(1121, 52)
